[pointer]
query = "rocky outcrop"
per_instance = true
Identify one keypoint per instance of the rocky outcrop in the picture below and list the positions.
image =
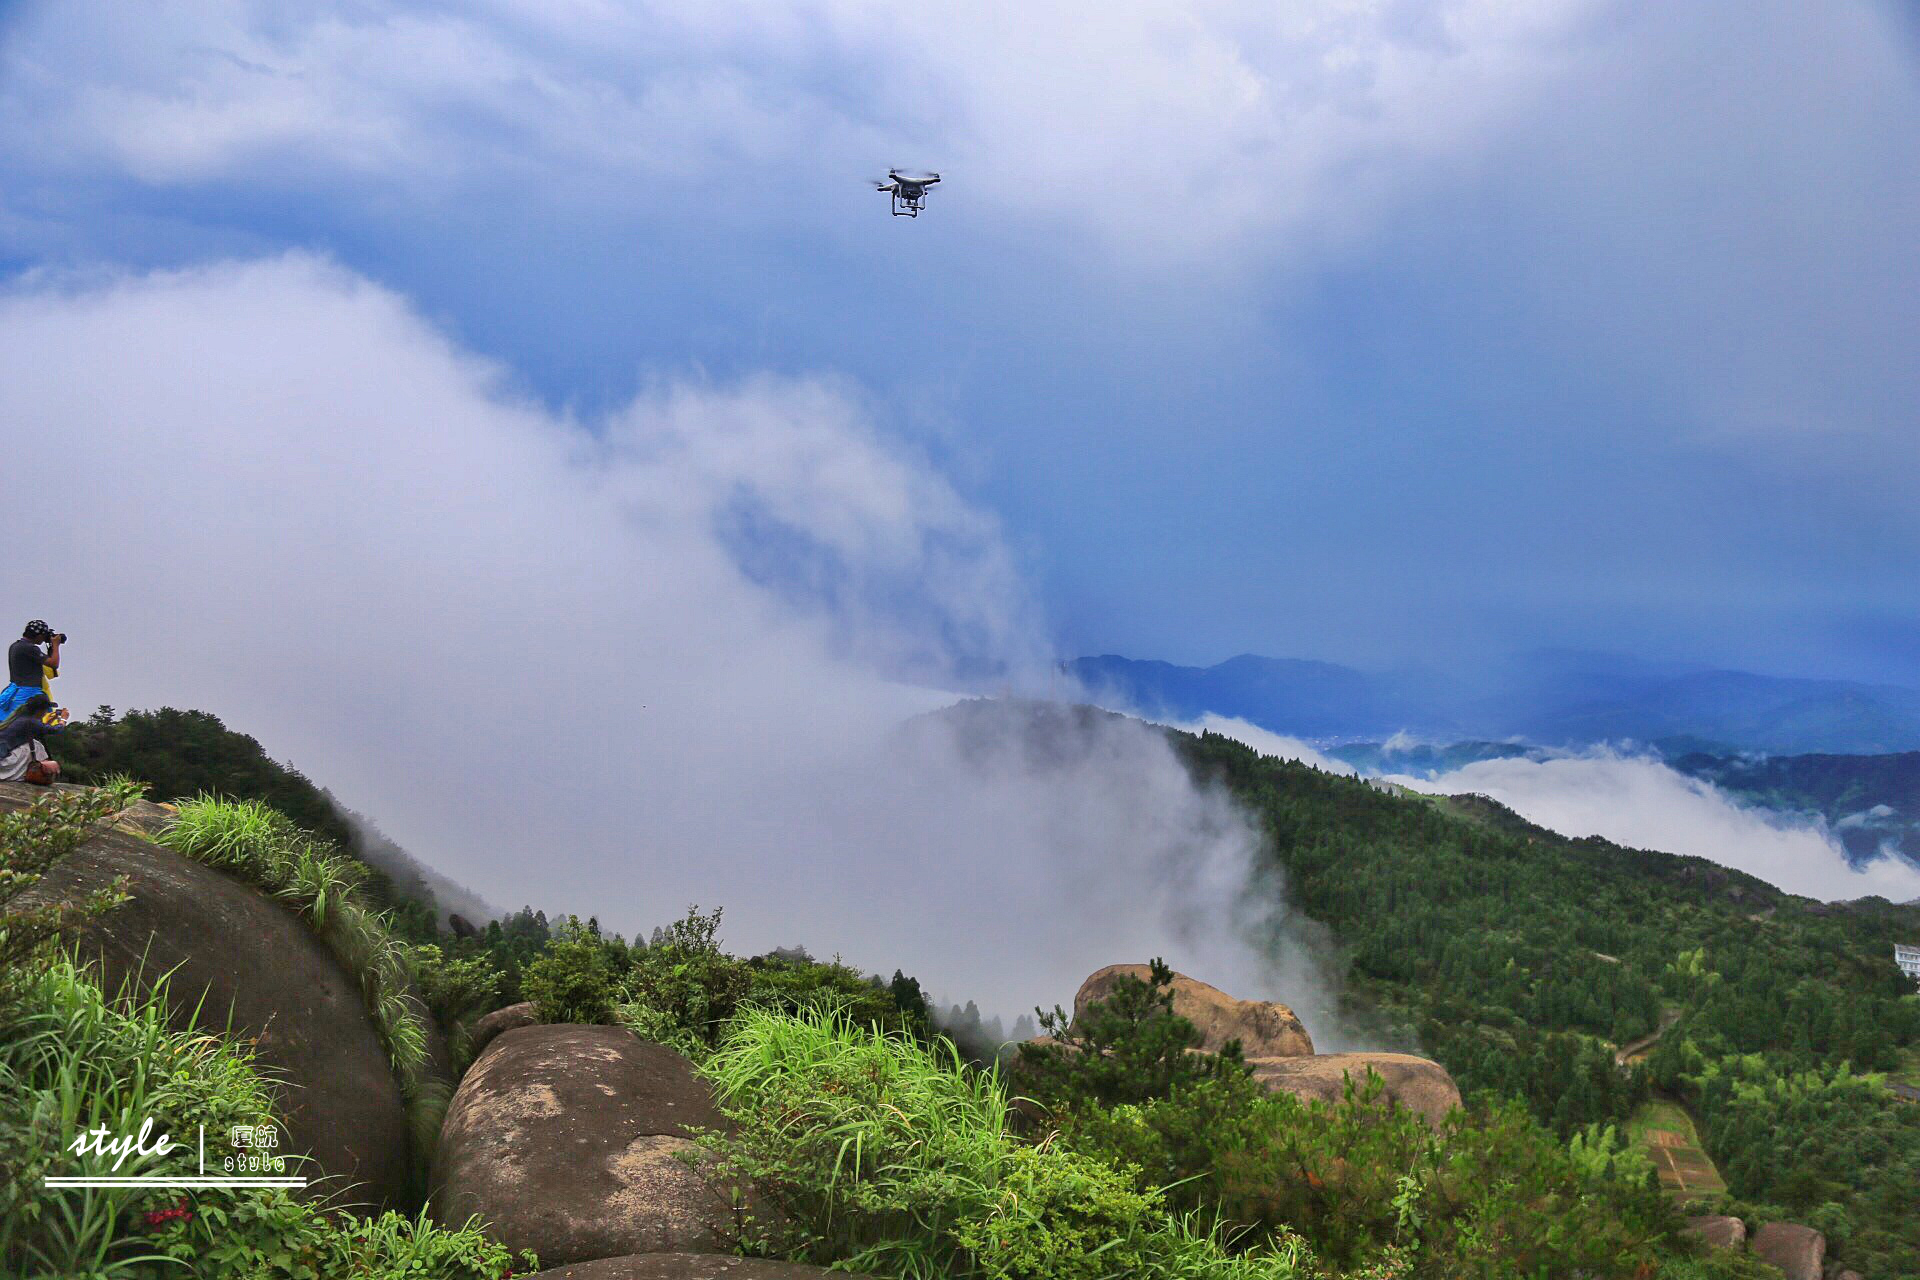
(1799, 1252)
(1263, 1028)
(1718, 1230)
(688, 1266)
(524, 1014)
(237, 954)
(1278, 1049)
(568, 1140)
(1418, 1084)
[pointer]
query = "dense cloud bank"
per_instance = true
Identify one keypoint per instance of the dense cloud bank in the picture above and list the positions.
(612, 668)
(1641, 803)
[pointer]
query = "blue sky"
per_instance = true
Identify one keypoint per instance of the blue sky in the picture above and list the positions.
(1371, 332)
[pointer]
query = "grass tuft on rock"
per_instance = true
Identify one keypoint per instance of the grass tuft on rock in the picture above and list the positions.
(249, 839)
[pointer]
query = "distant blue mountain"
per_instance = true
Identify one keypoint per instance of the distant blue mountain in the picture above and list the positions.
(1555, 698)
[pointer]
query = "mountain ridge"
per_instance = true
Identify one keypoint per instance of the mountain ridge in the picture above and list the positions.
(1553, 699)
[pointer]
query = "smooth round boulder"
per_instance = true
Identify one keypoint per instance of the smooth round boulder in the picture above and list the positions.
(569, 1140)
(688, 1266)
(249, 962)
(524, 1014)
(1799, 1252)
(1264, 1028)
(1717, 1229)
(1418, 1084)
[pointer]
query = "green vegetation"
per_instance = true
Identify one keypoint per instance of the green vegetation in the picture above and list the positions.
(248, 839)
(1127, 1048)
(895, 1159)
(1483, 939)
(74, 1059)
(679, 988)
(1836, 1146)
(1521, 960)
(177, 755)
(870, 1150)
(32, 840)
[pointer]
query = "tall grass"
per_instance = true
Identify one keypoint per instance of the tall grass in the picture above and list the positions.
(881, 1155)
(76, 1059)
(261, 846)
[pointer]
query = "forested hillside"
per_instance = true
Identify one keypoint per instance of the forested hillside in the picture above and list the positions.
(1522, 960)
(180, 754)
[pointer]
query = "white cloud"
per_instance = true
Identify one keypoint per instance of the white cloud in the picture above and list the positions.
(544, 658)
(1642, 804)
(1170, 131)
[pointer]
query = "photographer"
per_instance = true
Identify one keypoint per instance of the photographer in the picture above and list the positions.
(23, 734)
(30, 668)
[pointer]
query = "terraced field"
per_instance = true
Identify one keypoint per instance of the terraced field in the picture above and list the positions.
(1666, 1132)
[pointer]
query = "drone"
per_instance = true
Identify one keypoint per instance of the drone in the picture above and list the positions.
(909, 193)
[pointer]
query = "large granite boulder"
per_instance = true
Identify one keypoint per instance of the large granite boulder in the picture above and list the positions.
(1718, 1230)
(1799, 1252)
(524, 1014)
(1418, 1084)
(568, 1140)
(1264, 1028)
(688, 1266)
(239, 955)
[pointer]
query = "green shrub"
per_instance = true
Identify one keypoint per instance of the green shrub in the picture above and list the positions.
(573, 980)
(782, 985)
(456, 989)
(1062, 1215)
(1129, 1047)
(869, 1149)
(272, 1236)
(683, 988)
(1374, 1187)
(882, 1155)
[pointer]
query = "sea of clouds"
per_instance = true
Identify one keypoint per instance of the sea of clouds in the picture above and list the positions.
(615, 667)
(1637, 801)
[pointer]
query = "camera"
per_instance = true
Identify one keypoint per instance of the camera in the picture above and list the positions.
(60, 637)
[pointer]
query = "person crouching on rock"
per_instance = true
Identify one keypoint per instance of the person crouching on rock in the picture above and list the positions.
(23, 735)
(30, 668)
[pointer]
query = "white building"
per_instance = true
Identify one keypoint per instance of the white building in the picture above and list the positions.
(1908, 958)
